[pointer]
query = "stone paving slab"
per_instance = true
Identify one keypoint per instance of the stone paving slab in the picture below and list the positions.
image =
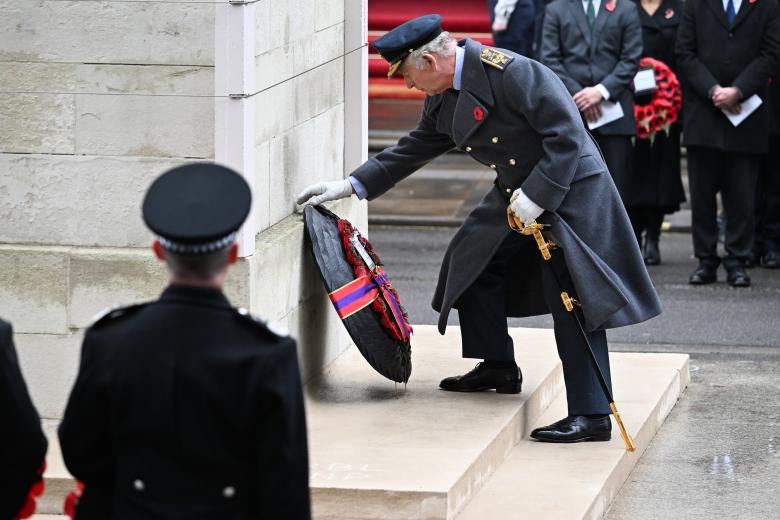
(424, 453)
(579, 481)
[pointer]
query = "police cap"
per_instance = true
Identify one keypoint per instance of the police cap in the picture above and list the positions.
(399, 43)
(197, 208)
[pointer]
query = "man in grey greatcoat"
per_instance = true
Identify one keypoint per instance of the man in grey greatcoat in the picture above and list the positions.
(516, 116)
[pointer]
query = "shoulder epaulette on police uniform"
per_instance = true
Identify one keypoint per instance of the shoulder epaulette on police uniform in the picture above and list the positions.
(110, 313)
(495, 58)
(269, 325)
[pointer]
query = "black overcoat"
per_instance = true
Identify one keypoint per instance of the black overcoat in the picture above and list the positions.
(187, 408)
(654, 179)
(522, 122)
(710, 53)
(22, 443)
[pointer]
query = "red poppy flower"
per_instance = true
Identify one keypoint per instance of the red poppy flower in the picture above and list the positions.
(611, 6)
(478, 113)
(669, 13)
(664, 105)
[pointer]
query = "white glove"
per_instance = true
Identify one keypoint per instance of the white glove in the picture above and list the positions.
(524, 208)
(324, 192)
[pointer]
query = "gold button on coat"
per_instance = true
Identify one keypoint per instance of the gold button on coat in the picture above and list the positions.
(468, 148)
(509, 190)
(229, 492)
(495, 140)
(493, 166)
(512, 162)
(138, 484)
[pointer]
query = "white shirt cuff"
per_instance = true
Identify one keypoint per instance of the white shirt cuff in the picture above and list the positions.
(360, 190)
(603, 90)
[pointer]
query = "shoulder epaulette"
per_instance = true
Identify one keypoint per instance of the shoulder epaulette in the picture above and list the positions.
(269, 325)
(495, 58)
(111, 313)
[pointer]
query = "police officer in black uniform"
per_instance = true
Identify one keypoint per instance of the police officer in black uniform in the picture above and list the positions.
(187, 407)
(22, 443)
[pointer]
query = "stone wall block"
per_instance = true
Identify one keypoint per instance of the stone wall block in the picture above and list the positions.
(320, 335)
(170, 33)
(263, 36)
(102, 278)
(46, 78)
(328, 13)
(319, 90)
(149, 126)
(34, 289)
(274, 111)
(37, 123)
(281, 15)
(144, 79)
(291, 154)
(273, 67)
(75, 200)
(49, 364)
(330, 43)
(262, 197)
(328, 147)
(302, 14)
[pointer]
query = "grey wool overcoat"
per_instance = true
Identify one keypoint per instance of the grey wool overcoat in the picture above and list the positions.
(516, 116)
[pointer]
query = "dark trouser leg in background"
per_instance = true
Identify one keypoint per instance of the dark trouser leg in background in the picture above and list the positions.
(704, 175)
(654, 219)
(583, 391)
(738, 186)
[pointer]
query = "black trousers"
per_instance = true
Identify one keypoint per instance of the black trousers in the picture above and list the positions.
(483, 326)
(768, 200)
(734, 175)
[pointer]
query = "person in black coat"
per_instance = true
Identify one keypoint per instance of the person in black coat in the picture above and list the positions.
(655, 188)
(22, 442)
(512, 24)
(726, 53)
(187, 407)
(766, 248)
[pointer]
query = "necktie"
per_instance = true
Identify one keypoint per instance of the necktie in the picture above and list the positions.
(730, 12)
(591, 13)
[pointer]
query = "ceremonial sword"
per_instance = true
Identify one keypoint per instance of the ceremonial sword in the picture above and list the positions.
(535, 230)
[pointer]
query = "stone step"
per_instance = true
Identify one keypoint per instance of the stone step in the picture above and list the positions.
(423, 453)
(579, 481)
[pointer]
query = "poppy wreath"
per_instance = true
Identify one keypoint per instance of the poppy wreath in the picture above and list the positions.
(392, 315)
(72, 500)
(665, 103)
(36, 490)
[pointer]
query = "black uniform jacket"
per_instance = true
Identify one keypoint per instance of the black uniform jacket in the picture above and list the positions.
(22, 443)
(743, 55)
(187, 408)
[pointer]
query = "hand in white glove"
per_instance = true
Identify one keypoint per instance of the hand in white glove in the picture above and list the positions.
(525, 209)
(324, 191)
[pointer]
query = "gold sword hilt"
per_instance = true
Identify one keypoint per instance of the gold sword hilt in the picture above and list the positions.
(533, 229)
(569, 302)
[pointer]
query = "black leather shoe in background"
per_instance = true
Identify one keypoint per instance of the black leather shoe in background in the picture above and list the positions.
(575, 428)
(503, 380)
(704, 274)
(738, 277)
(771, 260)
(652, 253)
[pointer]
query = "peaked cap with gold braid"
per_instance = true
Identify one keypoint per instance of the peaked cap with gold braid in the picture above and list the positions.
(400, 42)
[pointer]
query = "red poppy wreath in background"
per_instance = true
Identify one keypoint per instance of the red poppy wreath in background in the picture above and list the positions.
(664, 106)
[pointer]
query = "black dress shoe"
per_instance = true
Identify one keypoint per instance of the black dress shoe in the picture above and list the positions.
(737, 277)
(704, 274)
(503, 380)
(652, 253)
(575, 428)
(771, 260)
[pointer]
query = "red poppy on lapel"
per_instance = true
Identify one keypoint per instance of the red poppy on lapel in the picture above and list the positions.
(670, 12)
(752, 1)
(478, 113)
(611, 5)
